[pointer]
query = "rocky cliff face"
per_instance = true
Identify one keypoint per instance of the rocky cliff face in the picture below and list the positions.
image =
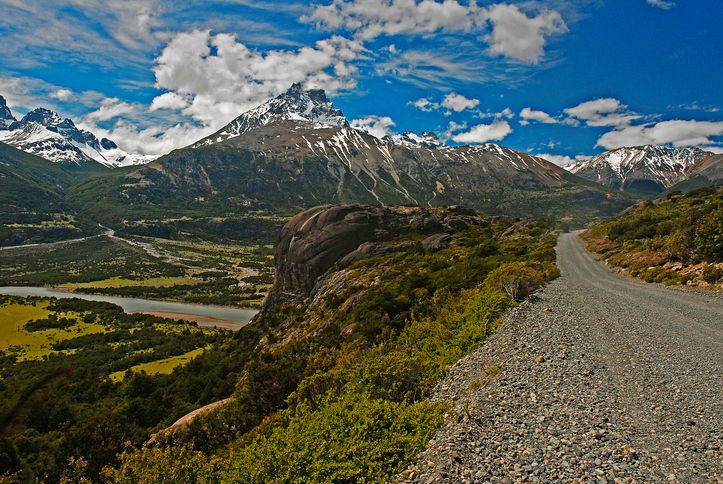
(318, 245)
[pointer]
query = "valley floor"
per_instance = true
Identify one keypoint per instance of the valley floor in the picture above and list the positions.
(599, 377)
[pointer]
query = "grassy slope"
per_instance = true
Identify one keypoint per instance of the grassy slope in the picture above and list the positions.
(675, 240)
(336, 391)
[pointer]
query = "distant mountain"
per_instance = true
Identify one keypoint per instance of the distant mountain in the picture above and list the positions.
(706, 173)
(644, 170)
(32, 205)
(44, 133)
(298, 151)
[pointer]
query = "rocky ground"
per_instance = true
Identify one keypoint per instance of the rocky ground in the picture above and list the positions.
(599, 378)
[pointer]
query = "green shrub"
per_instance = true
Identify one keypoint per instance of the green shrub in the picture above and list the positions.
(353, 439)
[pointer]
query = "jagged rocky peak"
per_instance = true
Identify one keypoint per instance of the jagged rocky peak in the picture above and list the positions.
(296, 104)
(427, 140)
(312, 105)
(6, 116)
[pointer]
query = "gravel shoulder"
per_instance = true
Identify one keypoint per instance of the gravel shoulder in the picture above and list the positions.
(597, 378)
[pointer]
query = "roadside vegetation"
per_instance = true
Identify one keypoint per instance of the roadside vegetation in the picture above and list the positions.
(337, 391)
(674, 240)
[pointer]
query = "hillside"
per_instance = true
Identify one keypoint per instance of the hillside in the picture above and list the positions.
(368, 308)
(674, 240)
(32, 205)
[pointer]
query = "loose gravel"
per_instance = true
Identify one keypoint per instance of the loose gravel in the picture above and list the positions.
(597, 378)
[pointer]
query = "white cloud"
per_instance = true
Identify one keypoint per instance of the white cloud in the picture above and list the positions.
(676, 132)
(221, 77)
(378, 126)
(562, 160)
(603, 112)
(664, 4)
(62, 94)
(483, 133)
(529, 114)
(696, 106)
(372, 18)
(519, 37)
(452, 102)
(514, 34)
(425, 105)
(26, 93)
(109, 108)
(458, 103)
(169, 100)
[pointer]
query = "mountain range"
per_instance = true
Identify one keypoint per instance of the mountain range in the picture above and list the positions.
(298, 150)
(45, 133)
(645, 170)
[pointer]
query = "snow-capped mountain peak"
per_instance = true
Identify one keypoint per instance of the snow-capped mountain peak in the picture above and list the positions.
(296, 104)
(45, 133)
(408, 139)
(635, 165)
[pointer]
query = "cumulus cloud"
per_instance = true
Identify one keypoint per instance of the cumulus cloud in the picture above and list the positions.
(425, 105)
(562, 160)
(378, 126)
(528, 115)
(109, 108)
(514, 34)
(219, 77)
(602, 112)
(664, 4)
(62, 94)
(674, 132)
(483, 133)
(452, 102)
(169, 100)
(517, 36)
(458, 103)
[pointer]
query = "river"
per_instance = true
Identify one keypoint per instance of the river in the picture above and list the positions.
(205, 315)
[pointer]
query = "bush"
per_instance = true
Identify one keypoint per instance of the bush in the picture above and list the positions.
(518, 279)
(712, 274)
(356, 438)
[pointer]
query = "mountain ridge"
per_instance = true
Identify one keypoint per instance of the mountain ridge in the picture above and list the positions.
(645, 169)
(45, 133)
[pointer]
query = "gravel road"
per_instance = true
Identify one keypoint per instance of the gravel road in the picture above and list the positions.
(599, 378)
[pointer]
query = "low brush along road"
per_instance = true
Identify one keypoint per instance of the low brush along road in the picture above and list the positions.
(599, 378)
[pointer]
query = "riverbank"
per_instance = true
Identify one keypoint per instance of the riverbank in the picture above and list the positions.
(204, 315)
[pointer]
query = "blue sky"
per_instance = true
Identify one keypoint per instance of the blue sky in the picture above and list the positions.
(564, 78)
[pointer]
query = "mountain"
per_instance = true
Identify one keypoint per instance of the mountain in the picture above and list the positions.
(644, 170)
(708, 172)
(32, 205)
(298, 151)
(44, 133)
(296, 104)
(412, 140)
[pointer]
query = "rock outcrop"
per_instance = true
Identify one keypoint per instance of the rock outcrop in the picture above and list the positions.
(327, 238)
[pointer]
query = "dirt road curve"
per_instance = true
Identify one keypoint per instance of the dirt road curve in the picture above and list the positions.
(601, 378)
